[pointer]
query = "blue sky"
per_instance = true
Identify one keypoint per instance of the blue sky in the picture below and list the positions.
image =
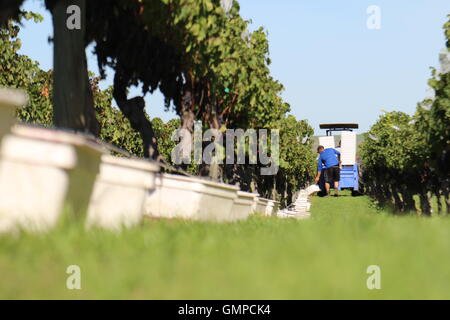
(333, 67)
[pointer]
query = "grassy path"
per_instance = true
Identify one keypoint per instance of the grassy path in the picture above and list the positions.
(325, 257)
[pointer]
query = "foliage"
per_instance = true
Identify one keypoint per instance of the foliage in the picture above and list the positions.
(297, 163)
(114, 127)
(195, 54)
(19, 71)
(411, 155)
(297, 158)
(164, 132)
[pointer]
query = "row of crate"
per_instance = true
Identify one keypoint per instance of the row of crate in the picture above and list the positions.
(45, 173)
(300, 208)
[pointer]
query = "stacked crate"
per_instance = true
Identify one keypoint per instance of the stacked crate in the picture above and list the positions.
(348, 148)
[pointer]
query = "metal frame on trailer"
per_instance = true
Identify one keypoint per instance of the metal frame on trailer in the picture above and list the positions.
(339, 127)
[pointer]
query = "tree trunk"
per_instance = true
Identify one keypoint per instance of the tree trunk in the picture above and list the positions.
(447, 201)
(446, 192)
(187, 114)
(290, 194)
(437, 194)
(134, 110)
(387, 193)
(215, 172)
(398, 203)
(425, 203)
(408, 200)
(188, 123)
(9, 10)
(72, 95)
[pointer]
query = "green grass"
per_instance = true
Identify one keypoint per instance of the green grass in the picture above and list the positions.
(325, 257)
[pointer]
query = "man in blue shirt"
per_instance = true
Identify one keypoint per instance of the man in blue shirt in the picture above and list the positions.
(329, 162)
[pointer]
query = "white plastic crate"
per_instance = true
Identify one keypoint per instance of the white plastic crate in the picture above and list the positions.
(43, 173)
(243, 205)
(348, 148)
(191, 198)
(120, 191)
(327, 142)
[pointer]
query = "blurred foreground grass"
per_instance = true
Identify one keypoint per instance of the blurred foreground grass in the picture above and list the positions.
(325, 257)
